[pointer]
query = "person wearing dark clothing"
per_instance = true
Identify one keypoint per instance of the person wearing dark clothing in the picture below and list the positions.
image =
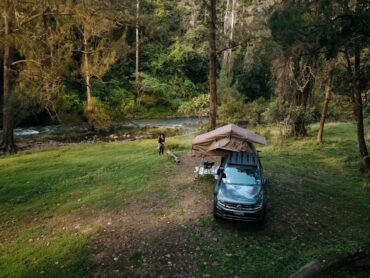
(161, 141)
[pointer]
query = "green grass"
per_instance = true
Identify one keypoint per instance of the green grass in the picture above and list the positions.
(318, 204)
(69, 180)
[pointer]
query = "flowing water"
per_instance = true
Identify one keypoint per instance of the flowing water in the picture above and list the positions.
(189, 123)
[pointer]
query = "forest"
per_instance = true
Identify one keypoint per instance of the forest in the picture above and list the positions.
(98, 62)
(294, 71)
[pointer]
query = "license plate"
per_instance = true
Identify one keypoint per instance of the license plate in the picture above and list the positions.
(239, 213)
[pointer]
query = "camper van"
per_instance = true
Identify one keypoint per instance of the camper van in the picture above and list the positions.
(238, 192)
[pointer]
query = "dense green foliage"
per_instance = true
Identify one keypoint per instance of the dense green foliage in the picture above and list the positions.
(173, 57)
(117, 209)
(71, 211)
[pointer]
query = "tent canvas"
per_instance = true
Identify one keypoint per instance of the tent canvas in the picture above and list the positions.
(227, 138)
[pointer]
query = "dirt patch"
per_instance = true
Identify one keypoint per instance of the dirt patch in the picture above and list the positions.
(148, 237)
(141, 240)
(153, 239)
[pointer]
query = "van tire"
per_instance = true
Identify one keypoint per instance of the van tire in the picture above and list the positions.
(215, 212)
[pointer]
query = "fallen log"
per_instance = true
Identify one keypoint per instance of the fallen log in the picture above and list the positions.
(173, 156)
(354, 261)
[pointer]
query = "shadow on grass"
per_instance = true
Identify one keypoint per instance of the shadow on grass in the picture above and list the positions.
(242, 226)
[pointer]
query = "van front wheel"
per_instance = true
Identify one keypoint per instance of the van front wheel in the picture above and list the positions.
(215, 212)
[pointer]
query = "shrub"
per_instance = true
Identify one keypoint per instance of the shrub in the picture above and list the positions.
(276, 111)
(98, 114)
(255, 110)
(198, 106)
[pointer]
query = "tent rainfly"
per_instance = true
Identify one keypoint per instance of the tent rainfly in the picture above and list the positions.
(224, 139)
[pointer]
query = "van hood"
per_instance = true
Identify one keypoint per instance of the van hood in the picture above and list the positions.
(236, 193)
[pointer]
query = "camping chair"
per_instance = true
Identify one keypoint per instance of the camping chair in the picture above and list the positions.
(205, 168)
(208, 167)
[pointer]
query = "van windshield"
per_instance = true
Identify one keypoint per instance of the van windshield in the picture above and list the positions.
(243, 176)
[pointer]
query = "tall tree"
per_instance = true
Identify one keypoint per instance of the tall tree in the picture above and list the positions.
(25, 38)
(19, 26)
(328, 93)
(95, 21)
(333, 28)
(229, 30)
(356, 94)
(212, 74)
(137, 46)
(8, 58)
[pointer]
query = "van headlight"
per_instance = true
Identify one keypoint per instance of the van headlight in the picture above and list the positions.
(221, 203)
(259, 205)
(260, 196)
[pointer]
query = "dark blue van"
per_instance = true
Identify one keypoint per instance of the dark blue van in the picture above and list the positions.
(238, 192)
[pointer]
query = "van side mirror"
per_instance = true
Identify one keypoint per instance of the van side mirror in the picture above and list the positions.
(265, 181)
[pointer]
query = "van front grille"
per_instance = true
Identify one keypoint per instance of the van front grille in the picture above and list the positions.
(236, 206)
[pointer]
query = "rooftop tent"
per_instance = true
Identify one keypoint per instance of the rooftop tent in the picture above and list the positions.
(224, 139)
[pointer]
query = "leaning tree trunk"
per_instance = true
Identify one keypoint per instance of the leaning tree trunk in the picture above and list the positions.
(89, 101)
(212, 65)
(358, 113)
(8, 118)
(357, 261)
(328, 93)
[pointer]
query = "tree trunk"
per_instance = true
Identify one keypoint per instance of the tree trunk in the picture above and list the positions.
(317, 268)
(225, 59)
(137, 65)
(89, 102)
(8, 118)
(173, 156)
(194, 13)
(212, 65)
(358, 113)
(328, 93)
(299, 124)
(304, 80)
(229, 26)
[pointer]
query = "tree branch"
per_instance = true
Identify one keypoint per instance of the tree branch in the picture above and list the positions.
(228, 48)
(26, 61)
(41, 14)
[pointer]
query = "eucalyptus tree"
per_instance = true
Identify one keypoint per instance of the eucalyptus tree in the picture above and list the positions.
(253, 50)
(94, 22)
(8, 19)
(338, 30)
(41, 84)
(328, 80)
(22, 31)
(137, 47)
(212, 64)
(230, 18)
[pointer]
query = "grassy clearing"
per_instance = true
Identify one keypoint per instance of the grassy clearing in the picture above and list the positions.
(317, 206)
(76, 180)
(117, 209)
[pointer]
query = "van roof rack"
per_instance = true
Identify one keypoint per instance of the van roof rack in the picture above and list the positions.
(242, 158)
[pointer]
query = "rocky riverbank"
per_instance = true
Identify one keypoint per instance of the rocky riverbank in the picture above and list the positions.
(60, 138)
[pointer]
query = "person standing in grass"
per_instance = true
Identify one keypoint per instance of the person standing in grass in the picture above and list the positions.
(161, 141)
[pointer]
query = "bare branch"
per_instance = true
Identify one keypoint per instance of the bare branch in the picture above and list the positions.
(28, 20)
(228, 48)
(26, 61)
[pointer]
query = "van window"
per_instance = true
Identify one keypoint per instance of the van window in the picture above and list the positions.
(242, 175)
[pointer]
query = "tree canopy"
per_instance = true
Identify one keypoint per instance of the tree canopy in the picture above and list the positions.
(98, 62)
